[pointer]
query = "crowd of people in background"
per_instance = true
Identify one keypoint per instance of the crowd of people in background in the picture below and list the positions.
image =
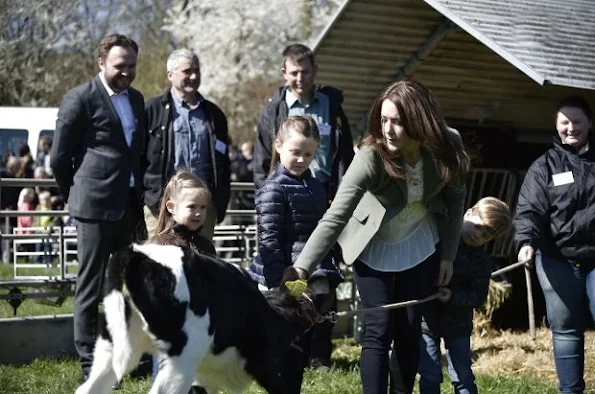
(21, 164)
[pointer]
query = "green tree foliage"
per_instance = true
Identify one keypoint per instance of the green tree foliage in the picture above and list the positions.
(239, 45)
(50, 46)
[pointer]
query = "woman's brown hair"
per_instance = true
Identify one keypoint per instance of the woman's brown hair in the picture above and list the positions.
(183, 179)
(304, 125)
(422, 120)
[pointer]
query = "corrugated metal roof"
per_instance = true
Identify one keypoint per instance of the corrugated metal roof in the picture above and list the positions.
(370, 42)
(549, 40)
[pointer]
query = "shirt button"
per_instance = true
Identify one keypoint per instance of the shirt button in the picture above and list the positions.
(163, 128)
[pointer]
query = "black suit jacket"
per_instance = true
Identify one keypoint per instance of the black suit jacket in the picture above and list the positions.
(90, 157)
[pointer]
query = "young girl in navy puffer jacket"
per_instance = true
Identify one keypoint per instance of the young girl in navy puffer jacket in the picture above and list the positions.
(288, 207)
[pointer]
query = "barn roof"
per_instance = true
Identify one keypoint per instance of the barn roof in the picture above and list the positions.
(504, 62)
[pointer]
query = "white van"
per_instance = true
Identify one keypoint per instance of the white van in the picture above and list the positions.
(25, 124)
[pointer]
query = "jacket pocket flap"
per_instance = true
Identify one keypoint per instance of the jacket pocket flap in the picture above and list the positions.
(361, 227)
(361, 213)
(368, 205)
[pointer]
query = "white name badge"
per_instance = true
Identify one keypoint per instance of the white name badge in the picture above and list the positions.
(563, 178)
(220, 146)
(325, 129)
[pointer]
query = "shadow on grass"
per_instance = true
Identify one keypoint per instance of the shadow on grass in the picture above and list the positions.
(345, 365)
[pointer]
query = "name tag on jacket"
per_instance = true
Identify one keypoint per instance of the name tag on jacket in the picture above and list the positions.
(563, 178)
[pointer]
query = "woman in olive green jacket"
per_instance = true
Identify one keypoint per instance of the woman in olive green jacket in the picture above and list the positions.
(397, 216)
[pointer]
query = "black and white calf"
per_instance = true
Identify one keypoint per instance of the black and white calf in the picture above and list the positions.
(199, 316)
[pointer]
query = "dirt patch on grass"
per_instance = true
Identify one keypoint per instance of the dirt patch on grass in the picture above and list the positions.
(516, 354)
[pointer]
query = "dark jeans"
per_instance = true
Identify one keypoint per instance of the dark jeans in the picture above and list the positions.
(46, 247)
(97, 240)
(569, 291)
(399, 328)
(458, 355)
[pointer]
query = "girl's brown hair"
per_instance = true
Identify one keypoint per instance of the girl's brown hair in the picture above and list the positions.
(304, 125)
(183, 179)
(422, 120)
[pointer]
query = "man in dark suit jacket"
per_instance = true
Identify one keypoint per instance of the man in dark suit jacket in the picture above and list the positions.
(98, 161)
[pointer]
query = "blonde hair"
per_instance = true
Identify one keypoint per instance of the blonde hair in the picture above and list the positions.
(303, 125)
(26, 194)
(183, 179)
(494, 214)
(44, 195)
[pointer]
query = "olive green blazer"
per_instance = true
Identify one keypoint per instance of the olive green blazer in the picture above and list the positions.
(361, 203)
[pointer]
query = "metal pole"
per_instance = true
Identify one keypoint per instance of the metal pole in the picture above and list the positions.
(530, 302)
(6, 243)
(61, 250)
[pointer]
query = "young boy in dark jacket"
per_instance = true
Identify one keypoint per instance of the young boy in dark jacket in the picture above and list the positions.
(451, 317)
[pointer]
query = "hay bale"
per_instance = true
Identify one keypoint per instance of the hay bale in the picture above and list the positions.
(498, 292)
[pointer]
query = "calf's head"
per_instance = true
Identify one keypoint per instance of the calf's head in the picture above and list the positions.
(297, 304)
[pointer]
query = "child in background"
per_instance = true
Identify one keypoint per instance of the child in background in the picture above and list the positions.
(181, 215)
(288, 207)
(44, 222)
(26, 202)
(451, 317)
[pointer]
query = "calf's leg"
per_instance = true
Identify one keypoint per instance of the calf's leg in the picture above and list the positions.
(102, 376)
(176, 373)
(268, 377)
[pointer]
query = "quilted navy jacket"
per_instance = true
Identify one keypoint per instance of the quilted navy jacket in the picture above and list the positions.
(288, 209)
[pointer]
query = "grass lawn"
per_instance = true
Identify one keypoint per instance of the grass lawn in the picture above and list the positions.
(504, 362)
(62, 377)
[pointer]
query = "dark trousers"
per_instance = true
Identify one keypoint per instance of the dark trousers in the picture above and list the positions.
(46, 247)
(458, 356)
(97, 240)
(399, 328)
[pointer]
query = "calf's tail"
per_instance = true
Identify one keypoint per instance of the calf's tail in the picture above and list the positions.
(117, 308)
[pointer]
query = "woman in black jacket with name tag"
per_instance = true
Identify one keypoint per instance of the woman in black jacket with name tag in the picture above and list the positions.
(555, 224)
